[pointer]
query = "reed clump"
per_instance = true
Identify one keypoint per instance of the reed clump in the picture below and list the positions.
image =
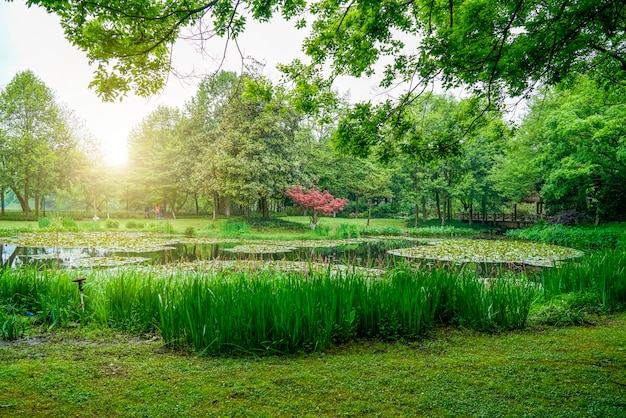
(263, 311)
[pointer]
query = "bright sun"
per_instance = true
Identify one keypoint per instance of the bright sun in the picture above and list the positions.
(115, 152)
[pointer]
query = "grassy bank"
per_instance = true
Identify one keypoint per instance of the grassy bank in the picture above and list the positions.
(282, 228)
(611, 236)
(557, 372)
(269, 311)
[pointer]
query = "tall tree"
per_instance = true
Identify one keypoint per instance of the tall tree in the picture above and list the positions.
(37, 141)
(154, 150)
(572, 146)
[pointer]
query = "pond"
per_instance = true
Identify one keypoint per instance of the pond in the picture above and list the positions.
(356, 252)
(112, 249)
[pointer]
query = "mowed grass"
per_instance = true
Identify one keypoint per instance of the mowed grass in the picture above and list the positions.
(284, 228)
(556, 372)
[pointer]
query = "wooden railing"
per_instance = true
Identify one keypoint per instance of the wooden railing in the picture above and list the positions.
(507, 220)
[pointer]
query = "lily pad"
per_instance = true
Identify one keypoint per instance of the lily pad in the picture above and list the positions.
(490, 251)
(260, 249)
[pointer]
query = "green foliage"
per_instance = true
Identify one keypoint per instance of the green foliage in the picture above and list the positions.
(190, 232)
(603, 237)
(39, 150)
(69, 224)
(111, 224)
(596, 282)
(441, 231)
(131, 224)
(346, 231)
(12, 325)
(382, 231)
(43, 222)
(234, 227)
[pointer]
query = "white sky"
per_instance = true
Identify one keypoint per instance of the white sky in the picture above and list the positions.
(32, 39)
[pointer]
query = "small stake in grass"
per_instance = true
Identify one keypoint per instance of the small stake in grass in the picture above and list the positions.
(79, 281)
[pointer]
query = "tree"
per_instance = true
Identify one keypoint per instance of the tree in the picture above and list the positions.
(315, 201)
(499, 47)
(36, 140)
(572, 147)
(154, 150)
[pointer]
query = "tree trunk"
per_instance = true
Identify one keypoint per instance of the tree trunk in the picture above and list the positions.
(369, 211)
(313, 220)
(484, 211)
(226, 202)
(471, 214)
(265, 208)
(23, 199)
(356, 210)
(444, 212)
(195, 197)
(424, 214)
(215, 205)
(2, 199)
(438, 204)
(417, 215)
(37, 205)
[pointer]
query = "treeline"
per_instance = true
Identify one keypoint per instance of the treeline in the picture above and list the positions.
(241, 141)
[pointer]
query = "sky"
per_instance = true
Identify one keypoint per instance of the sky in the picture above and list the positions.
(30, 39)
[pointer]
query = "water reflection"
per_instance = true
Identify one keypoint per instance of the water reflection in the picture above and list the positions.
(364, 254)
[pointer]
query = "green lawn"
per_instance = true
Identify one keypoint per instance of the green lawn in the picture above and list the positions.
(290, 227)
(556, 372)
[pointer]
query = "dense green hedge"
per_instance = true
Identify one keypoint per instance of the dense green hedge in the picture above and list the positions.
(605, 237)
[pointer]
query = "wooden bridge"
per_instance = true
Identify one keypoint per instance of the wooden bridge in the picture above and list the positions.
(501, 220)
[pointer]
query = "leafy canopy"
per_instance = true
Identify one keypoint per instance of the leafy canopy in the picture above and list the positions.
(495, 46)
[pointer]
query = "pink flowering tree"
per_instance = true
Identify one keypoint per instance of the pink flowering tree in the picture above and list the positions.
(316, 201)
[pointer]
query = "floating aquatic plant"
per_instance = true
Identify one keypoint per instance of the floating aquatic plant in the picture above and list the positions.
(490, 251)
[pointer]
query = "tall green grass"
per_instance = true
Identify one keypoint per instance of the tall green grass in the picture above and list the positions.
(601, 277)
(602, 237)
(215, 312)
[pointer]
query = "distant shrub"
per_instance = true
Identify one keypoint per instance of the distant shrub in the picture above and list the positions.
(69, 223)
(347, 231)
(190, 231)
(568, 217)
(382, 230)
(92, 226)
(166, 228)
(44, 222)
(613, 236)
(441, 231)
(322, 230)
(111, 224)
(134, 225)
(233, 227)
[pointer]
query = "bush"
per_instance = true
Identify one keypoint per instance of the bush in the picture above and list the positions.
(111, 224)
(609, 237)
(347, 231)
(382, 231)
(134, 225)
(43, 222)
(233, 227)
(190, 231)
(568, 217)
(69, 224)
(441, 231)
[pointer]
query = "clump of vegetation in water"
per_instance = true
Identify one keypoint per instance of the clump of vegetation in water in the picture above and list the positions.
(489, 251)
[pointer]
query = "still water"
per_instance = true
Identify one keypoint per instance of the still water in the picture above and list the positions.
(365, 254)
